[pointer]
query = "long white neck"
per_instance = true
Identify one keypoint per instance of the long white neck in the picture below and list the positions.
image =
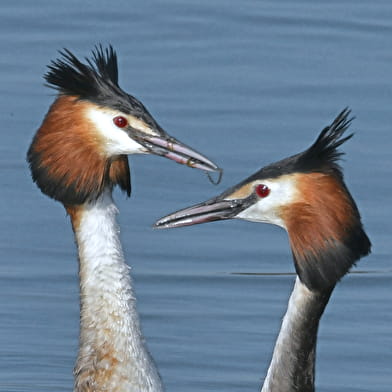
(112, 356)
(293, 360)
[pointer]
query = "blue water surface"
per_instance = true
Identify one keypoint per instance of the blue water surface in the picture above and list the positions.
(247, 83)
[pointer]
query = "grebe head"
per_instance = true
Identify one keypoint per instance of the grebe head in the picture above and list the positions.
(82, 145)
(306, 195)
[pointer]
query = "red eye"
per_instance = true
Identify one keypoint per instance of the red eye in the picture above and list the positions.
(262, 190)
(120, 121)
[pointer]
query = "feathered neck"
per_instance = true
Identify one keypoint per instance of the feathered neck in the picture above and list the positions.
(292, 366)
(112, 355)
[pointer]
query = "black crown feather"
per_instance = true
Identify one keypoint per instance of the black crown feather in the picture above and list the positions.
(70, 76)
(323, 155)
(95, 81)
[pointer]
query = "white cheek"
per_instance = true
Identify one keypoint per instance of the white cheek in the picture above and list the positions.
(283, 191)
(116, 140)
(262, 212)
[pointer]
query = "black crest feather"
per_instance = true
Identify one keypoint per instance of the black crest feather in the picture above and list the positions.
(95, 80)
(63, 178)
(70, 76)
(319, 268)
(323, 154)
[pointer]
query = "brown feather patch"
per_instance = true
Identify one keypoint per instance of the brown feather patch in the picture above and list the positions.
(325, 230)
(67, 159)
(100, 373)
(75, 213)
(323, 211)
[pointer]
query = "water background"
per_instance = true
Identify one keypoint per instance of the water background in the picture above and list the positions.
(247, 83)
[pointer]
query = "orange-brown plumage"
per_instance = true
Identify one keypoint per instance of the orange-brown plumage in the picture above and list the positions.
(67, 156)
(75, 213)
(321, 224)
(100, 368)
(323, 212)
(306, 194)
(76, 157)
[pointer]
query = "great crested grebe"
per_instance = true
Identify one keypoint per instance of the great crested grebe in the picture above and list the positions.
(306, 195)
(76, 157)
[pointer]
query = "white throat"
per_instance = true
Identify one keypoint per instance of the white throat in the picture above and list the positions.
(112, 355)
